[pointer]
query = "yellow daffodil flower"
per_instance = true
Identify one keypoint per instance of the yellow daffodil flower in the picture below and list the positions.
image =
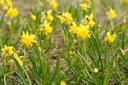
(18, 58)
(66, 18)
(84, 7)
(95, 70)
(7, 51)
(73, 28)
(112, 14)
(9, 3)
(53, 4)
(46, 28)
(122, 52)
(12, 12)
(110, 38)
(47, 16)
(72, 53)
(89, 20)
(27, 39)
(5, 8)
(83, 32)
(32, 17)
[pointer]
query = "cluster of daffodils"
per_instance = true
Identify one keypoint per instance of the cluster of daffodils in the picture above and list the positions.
(10, 11)
(7, 52)
(83, 29)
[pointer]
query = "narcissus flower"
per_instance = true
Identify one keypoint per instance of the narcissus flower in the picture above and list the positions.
(84, 7)
(32, 17)
(5, 8)
(7, 51)
(112, 14)
(12, 12)
(89, 20)
(53, 4)
(83, 32)
(66, 18)
(47, 16)
(46, 28)
(27, 39)
(73, 28)
(122, 52)
(110, 38)
(18, 58)
(8, 2)
(95, 70)
(63, 83)
(72, 53)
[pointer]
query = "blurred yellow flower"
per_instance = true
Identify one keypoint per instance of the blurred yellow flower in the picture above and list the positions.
(12, 12)
(63, 83)
(89, 20)
(112, 14)
(110, 38)
(9, 3)
(84, 7)
(18, 58)
(72, 53)
(73, 28)
(83, 32)
(53, 4)
(46, 28)
(7, 51)
(95, 70)
(66, 18)
(5, 8)
(32, 17)
(47, 16)
(122, 52)
(27, 39)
